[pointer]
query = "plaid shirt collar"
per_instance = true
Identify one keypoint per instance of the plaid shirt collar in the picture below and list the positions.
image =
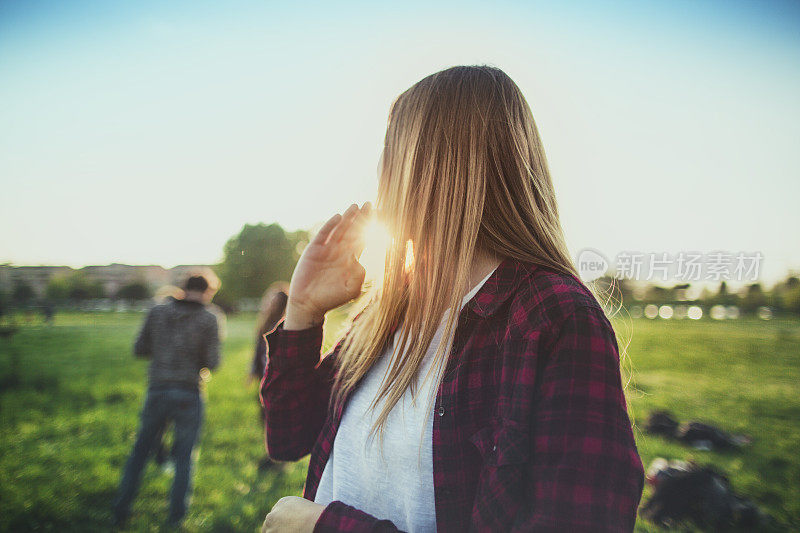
(500, 286)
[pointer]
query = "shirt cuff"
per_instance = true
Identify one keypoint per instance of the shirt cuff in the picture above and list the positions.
(295, 348)
(338, 516)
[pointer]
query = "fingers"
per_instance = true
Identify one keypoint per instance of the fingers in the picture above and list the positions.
(326, 229)
(356, 239)
(362, 219)
(356, 230)
(352, 223)
(347, 220)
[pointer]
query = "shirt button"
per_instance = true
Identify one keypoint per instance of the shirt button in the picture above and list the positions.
(441, 411)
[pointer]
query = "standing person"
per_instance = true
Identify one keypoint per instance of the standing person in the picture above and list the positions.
(273, 305)
(181, 337)
(506, 415)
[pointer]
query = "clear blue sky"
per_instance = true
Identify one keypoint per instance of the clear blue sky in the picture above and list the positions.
(150, 132)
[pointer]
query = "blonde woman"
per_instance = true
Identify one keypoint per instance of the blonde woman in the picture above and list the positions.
(507, 415)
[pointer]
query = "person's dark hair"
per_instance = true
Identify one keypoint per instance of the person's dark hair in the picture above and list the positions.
(196, 283)
(272, 313)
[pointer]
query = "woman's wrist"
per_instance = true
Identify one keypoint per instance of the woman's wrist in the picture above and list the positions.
(300, 317)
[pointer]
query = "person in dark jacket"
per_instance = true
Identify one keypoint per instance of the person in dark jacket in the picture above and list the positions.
(181, 338)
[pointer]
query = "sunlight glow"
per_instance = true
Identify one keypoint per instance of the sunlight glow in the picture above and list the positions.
(373, 257)
(377, 240)
(409, 255)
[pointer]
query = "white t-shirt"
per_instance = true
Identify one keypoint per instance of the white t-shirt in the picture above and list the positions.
(397, 484)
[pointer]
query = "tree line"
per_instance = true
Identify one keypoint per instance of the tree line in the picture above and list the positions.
(253, 259)
(784, 296)
(261, 254)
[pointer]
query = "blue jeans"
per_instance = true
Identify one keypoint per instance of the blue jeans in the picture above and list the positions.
(185, 408)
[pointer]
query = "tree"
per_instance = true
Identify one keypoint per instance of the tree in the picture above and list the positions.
(136, 291)
(789, 295)
(83, 288)
(754, 298)
(22, 293)
(660, 295)
(724, 296)
(259, 255)
(57, 289)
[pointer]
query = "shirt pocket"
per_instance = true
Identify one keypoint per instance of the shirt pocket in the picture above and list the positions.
(505, 444)
(502, 485)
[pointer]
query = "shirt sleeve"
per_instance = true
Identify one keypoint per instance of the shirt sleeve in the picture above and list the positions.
(338, 517)
(213, 345)
(584, 472)
(143, 347)
(295, 391)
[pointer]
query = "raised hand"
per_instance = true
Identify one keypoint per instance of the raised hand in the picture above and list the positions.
(328, 273)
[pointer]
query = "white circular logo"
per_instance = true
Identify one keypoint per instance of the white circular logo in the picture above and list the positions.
(591, 264)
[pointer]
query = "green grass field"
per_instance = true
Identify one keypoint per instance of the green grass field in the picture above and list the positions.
(70, 409)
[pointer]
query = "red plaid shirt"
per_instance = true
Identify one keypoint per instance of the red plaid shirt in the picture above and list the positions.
(530, 432)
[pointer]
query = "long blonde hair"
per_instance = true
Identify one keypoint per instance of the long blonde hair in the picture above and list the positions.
(463, 172)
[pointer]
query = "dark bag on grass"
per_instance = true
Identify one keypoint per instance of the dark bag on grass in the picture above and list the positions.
(685, 492)
(706, 437)
(662, 423)
(696, 434)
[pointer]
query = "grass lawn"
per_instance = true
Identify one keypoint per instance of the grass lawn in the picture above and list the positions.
(743, 376)
(68, 417)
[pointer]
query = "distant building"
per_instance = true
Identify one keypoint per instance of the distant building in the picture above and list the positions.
(112, 277)
(116, 275)
(37, 277)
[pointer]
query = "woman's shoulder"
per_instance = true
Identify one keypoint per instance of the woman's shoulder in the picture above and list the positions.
(547, 298)
(550, 307)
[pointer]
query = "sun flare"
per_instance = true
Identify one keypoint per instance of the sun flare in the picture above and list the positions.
(409, 255)
(377, 241)
(373, 257)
